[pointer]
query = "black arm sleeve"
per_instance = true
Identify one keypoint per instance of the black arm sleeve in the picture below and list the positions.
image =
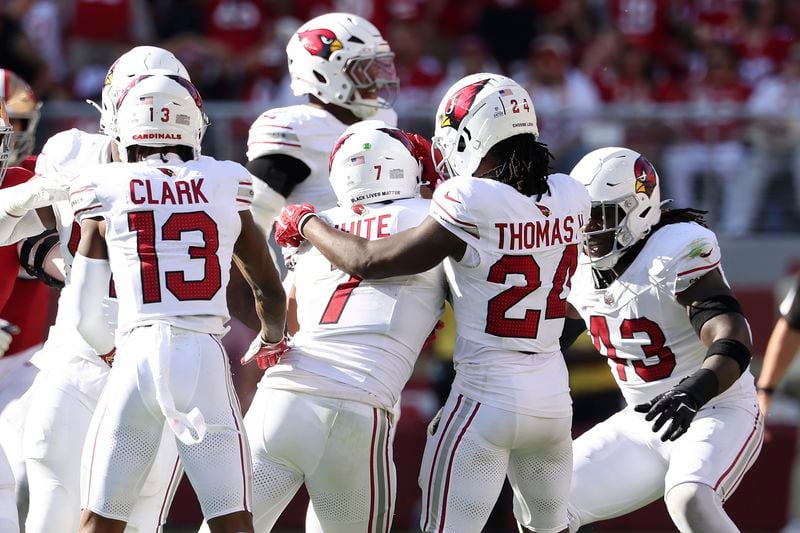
(281, 172)
(790, 307)
(572, 328)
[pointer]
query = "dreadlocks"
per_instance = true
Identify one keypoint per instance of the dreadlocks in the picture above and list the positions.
(524, 163)
(603, 278)
(675, 216)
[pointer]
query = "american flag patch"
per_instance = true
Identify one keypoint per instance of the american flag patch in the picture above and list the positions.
(146, 100)
(183, 120)
(358, 160)
(506, 92)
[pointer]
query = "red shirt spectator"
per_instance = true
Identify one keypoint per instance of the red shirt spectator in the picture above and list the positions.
(630, 78)
(375, 11)
(643, 23)
(236, 24)
(105, 20)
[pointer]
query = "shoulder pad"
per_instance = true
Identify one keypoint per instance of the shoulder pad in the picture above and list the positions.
(692, 252)
(449, 205)
(276, 131)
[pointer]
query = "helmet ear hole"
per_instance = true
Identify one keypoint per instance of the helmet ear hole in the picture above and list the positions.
(643, 214)
(320, 77)
(462, 144)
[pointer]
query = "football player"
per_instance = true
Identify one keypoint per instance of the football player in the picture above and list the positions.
(30, 262)
(346, 69)
(322, 416)
(167, 224)
(509, 235)
(71, 377)
(651, 291)
(9, 266)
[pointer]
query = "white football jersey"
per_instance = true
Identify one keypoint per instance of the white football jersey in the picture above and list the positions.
(307, 133)
(170, 229)
(359, 339)
(638, 323)
(509, 290)
(63, 156)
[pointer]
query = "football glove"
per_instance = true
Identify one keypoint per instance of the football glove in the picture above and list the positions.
(424, 154)
(266, 354)
(288, 224)
(675, 405)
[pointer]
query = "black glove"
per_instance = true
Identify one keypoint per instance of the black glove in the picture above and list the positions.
(674, 404)
(681, 403)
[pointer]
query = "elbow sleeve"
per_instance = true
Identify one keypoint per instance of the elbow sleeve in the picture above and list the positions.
(91, 278)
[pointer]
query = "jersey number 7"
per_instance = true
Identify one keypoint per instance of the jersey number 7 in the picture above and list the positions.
(528, 327)
(144, 224)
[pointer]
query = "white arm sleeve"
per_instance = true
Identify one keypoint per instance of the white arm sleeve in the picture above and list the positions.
(266, 206)
(17, 221)
(14, 229)
(91, 278)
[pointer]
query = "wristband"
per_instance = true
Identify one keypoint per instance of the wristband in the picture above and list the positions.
(702, 386)
(305, 218)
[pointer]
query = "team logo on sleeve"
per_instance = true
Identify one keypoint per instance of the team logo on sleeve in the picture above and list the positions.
(459, 104)
(544, 209)
(321, 43)
(646, 177)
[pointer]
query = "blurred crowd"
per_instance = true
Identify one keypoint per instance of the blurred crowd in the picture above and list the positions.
(687, 76)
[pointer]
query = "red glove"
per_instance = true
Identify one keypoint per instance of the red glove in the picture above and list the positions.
(288, 224)
(432, 337)
(423, 153)
(266, 354)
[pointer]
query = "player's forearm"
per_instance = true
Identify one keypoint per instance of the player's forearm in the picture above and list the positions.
(730, 345)
(781, 349)
(91, 278)
(16, 228)
(271, 311)
(266, 205)
(268, 294)
(240, 300)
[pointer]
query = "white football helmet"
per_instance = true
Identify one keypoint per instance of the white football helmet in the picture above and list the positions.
(6, 136)
(477, 112)
(621, 178)
(342, 59)
(135, 62)
(373, 162)
(21, 105)
(160, 110)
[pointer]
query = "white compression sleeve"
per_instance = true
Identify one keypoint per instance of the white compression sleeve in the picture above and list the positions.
(90, 278)
(16, 220)
(13, 228)
(266, 206)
